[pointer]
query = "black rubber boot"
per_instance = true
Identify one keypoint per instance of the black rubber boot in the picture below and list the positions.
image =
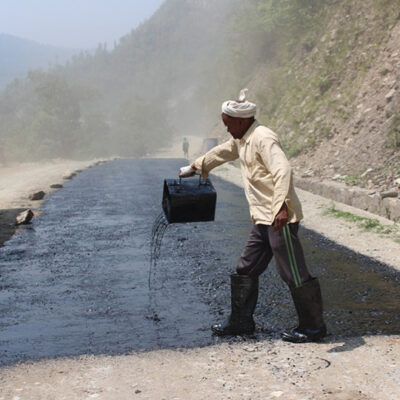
(244, 295)
(308, 302)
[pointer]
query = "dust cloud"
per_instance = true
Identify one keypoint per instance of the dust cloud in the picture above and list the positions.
(163, 80)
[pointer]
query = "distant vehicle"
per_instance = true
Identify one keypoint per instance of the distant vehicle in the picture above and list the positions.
(209, 143)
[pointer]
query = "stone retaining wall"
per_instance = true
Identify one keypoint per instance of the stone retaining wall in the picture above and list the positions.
(356, 197)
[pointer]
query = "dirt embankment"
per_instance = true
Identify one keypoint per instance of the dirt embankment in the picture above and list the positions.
(336, 105)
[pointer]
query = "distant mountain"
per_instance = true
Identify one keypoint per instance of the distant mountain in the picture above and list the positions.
(18, 56)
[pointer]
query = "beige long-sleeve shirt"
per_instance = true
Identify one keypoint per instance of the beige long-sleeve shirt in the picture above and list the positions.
(266, 173)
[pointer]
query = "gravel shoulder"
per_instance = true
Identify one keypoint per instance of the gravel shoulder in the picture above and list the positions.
(357, 368)
(18, 181)
(360, 369)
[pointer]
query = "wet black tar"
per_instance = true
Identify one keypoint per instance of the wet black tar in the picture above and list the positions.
(76, 281)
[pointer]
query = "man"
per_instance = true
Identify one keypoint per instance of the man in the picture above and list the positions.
(275, 212)
(185, 148)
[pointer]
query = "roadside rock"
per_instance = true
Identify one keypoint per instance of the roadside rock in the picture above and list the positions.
(69, 175)
(366, 172)
(390, 208)
(390, 95)
(389, 193)
(386, 69)
(336, 177)
(24, 217)
(308, 174)
(37, 195)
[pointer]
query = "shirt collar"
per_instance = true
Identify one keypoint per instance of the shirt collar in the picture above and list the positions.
(246, 137)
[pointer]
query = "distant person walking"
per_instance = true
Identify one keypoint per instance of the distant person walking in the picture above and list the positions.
(275, 211)
(185, 148)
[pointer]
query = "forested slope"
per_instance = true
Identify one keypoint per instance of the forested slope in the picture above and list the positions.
(158, 81)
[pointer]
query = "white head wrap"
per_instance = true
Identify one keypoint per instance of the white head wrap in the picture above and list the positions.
(239, 108)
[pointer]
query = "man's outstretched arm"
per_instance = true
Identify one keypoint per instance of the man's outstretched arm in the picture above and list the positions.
(217, 156)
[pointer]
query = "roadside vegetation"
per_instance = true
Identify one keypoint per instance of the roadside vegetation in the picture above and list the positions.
(366, 224)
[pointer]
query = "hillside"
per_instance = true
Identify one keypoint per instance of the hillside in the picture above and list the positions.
(335, 98)
(357, 120)
(19, 55)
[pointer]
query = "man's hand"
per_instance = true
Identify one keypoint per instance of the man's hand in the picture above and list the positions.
(281, 218)
(186, 172)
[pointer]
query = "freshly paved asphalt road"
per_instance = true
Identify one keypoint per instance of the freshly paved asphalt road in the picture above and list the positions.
(76, 280)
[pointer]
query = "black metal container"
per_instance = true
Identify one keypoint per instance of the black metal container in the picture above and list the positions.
(189, 200)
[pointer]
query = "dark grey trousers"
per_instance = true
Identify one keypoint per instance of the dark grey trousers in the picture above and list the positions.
(284, 245)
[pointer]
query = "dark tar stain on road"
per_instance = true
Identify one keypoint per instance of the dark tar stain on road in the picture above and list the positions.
(76, 281)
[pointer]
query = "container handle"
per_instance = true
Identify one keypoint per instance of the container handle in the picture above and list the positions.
(201, 182)
(204, 181)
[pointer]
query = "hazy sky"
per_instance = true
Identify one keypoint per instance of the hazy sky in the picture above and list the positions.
(73, 23)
